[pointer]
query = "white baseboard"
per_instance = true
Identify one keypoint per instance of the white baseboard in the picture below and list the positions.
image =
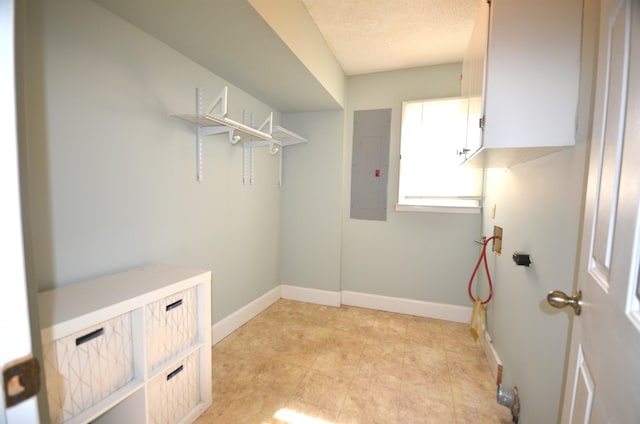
(419, 308)
(231, 323)
(237, 319)
(492, 356)
(303, 294)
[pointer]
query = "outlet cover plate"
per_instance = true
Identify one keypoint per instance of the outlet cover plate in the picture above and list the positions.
(496, 247)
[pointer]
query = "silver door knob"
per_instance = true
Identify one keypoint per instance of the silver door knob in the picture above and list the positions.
(558, 299)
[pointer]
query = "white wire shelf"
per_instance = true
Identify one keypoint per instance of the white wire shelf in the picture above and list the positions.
(209, 123)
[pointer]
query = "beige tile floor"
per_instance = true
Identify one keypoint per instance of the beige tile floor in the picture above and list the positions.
(300, 363)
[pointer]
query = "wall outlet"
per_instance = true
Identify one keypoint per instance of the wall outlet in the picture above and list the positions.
(496, 247)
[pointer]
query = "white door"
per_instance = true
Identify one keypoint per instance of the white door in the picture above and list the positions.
(15, 335)
(603, 378)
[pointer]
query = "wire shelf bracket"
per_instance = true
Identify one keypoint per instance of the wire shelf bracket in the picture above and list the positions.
(214, 121)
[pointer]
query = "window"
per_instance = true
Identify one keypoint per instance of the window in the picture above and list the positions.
(431, 177)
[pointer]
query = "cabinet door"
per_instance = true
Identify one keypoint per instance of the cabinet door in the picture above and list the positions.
(465, 83)
(533, 74)
(475, 65)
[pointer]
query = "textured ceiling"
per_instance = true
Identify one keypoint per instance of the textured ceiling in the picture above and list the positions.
(372, 36)
(232, 40)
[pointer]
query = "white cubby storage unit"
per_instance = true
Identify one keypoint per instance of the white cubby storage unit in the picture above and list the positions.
(130, 347)
(209, 122)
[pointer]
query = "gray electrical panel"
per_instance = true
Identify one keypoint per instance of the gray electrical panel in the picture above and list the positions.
(370, 164)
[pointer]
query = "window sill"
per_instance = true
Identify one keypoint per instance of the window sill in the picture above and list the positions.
(438, 209)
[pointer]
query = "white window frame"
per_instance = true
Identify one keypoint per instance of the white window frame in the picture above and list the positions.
(468, 199)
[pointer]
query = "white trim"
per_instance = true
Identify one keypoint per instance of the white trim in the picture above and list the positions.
(438, 209)
(237, 319)
(492, 356)
(419, 308)
(303, 294)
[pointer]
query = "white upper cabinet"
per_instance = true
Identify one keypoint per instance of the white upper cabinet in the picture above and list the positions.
(522, 80)
(473, 77)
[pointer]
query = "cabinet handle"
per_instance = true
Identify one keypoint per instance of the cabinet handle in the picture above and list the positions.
(90, 336)
(175, 372)
(173, 305)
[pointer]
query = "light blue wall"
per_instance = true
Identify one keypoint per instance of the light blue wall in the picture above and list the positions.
(421, 256)
(311, 202)
(539, 205)
(109, 184)
(110, 178)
